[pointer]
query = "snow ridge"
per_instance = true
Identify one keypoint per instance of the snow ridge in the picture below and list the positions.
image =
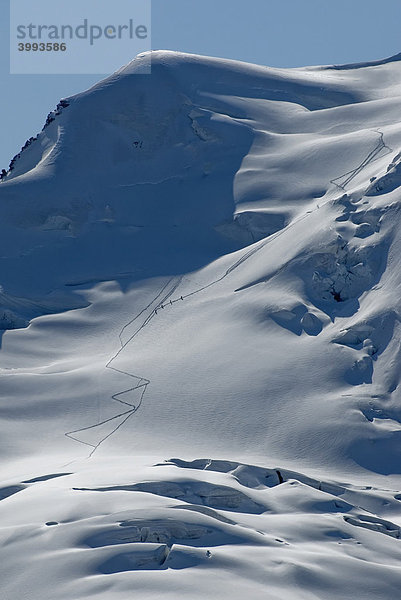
(215, 247)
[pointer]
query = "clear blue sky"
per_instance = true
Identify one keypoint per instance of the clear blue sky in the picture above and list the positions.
(280, 33)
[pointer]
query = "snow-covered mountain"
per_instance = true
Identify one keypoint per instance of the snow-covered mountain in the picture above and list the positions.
(201, 316)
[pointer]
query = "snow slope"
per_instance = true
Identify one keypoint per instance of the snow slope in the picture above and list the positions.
(200, 360)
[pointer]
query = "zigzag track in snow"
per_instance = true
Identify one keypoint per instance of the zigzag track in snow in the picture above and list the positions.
(162, 304)
(142, 382)
(166, 301)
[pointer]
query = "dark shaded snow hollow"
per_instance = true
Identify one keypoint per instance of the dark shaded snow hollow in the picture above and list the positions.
(204, 263)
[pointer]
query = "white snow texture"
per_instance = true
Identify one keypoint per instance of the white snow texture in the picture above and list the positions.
(200, 319)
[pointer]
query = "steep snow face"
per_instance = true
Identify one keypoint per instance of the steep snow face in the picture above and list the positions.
(194, 152)
(204, 262)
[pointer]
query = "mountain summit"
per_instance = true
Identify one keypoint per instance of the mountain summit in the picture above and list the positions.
(203, 263)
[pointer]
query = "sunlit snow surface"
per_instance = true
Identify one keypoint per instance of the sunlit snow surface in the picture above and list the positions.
(200, 304)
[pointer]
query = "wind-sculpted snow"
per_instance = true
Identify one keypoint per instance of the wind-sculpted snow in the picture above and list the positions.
(115, 536)
(205, 262)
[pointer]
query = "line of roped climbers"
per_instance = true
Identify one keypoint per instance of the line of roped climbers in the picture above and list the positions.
(166, 301)
(142, 382)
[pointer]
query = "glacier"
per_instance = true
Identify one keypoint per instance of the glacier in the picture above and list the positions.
(200, 337)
